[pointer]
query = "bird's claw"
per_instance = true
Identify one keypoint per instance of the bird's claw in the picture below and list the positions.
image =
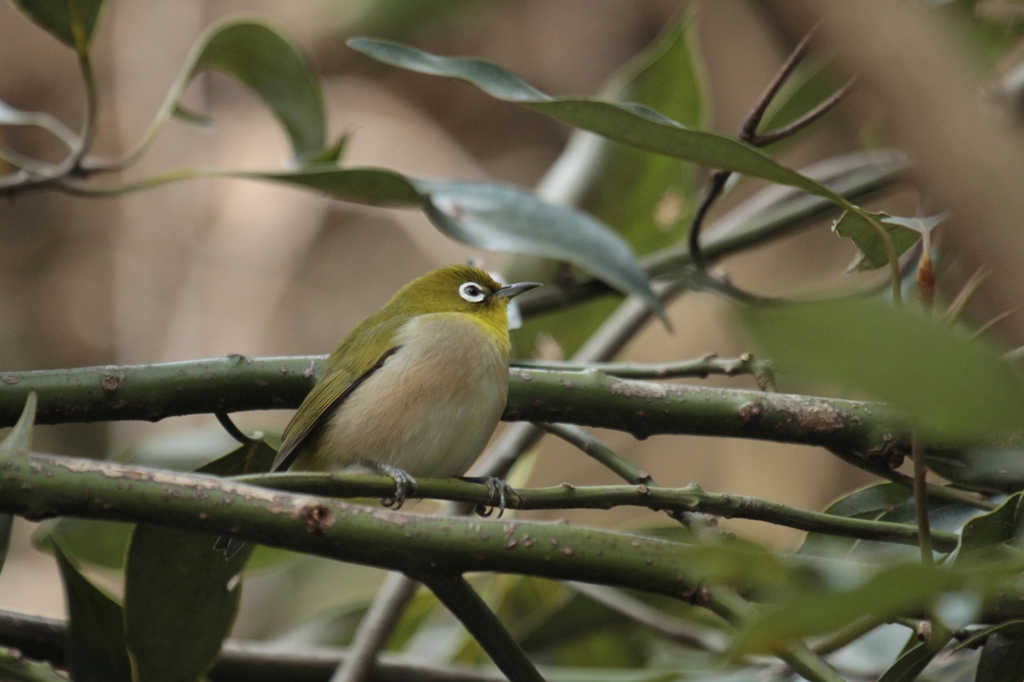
(496, 488)
(405, 486)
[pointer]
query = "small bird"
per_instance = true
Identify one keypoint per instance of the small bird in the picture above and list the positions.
(416, 389)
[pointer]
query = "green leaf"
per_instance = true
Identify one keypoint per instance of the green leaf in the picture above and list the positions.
(631, 124)
(100, 543)
(951, 388)
(893, 591)
(866, 503)
(16, 668)
(1002, 658)
(503, 218)
(490, 216)
(990, 530)
(871, 253)
(1010, 628)
(911, 662)
(176, 582)
(265, 61)
(95, 640)
(73, 22)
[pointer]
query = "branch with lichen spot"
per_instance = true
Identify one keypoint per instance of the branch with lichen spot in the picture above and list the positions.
(39, 486)
(588, 398)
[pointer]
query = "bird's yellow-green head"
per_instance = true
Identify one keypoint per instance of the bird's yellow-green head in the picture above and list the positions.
(459, 289)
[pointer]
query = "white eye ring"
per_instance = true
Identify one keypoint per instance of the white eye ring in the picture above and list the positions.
(472, 292)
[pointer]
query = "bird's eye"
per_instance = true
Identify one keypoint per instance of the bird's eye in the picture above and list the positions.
(472, 292)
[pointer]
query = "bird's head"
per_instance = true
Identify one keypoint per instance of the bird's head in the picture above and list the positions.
(460, 289)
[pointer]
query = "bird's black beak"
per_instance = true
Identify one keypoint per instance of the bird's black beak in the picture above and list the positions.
(513, 290)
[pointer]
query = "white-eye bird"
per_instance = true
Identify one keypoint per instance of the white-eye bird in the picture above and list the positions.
(416, 389)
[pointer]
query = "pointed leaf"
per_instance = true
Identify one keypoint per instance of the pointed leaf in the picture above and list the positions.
(952, 389)
(490, 216)
(992, 529)
(73, 22)
(95, 640)
(1002, 658)
(911, 662)
(866, 503)
(100, 543)
(631, 124)
(871, 252)
(176, 582)
(265, 61)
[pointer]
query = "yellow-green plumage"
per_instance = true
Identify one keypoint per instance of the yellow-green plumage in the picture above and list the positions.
(418, 386)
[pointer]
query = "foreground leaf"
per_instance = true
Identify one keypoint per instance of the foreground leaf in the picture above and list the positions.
(911, 662)
(73, 22)
(951, 388)
(990, 530)
(176, 582)
(894, 591)
(95, 640)
(1002, 658)
(630, 124)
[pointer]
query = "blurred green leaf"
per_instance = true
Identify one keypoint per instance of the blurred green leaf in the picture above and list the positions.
(632, 124)
(95, 640)
(268, 63)
(866, 503)
(73, 22)
(1010, 628)
(893, 591)
(1002, 657)
(951, 388)
(995, 466)
(871, 252)
(175, 582)
(16, 668)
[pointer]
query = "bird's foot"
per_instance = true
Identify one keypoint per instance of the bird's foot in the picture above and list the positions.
(496, 489)
(405, 485)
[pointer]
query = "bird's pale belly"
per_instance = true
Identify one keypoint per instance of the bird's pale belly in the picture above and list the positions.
(404, 416)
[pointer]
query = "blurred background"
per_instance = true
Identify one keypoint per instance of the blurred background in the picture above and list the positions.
(211, 267)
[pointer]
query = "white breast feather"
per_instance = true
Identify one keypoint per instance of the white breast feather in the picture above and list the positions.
(432, 407)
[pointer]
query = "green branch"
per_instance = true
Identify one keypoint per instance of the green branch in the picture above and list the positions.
(40, 486)
(237, 383)
(688, 499)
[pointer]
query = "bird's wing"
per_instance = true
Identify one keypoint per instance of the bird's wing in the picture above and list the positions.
(346, 368)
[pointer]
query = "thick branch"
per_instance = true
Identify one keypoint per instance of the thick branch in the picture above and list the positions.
(41, 486)
(234, 384)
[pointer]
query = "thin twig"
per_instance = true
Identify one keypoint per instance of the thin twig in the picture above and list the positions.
(598, 451)
(815, 114)
(225, 421)
(993, 322)
(466, 605)
(956, 308)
